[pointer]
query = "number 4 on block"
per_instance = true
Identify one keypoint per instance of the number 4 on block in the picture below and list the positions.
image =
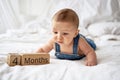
(13, 59)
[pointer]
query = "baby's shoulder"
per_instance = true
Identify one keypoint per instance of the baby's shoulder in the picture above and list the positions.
(82, 40)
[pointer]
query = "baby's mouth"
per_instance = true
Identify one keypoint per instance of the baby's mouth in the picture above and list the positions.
(59, 42)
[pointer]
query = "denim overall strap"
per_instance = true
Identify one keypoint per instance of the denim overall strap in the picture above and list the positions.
(57, 47)
(75, 45)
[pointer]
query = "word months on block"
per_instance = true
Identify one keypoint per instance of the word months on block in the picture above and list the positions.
(35, 59)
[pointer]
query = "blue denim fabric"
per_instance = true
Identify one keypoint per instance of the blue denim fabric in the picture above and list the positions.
(75, 55)
(91, 43)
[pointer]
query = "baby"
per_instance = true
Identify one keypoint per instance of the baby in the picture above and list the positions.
(66, 40)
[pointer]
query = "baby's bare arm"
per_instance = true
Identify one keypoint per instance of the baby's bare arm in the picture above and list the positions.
(47, 47)
(91, 58)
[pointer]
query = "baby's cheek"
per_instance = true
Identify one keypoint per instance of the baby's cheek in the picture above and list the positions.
(55, 38)
(67, 40)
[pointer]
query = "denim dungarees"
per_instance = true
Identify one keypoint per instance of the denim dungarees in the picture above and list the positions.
(75, 55)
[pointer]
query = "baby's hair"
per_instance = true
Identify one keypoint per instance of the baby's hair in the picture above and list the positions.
(67, 15)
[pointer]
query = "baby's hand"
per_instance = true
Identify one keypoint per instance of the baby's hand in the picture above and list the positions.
(91, 63)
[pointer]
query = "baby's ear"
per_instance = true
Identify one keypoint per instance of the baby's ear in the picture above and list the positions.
(77, 31)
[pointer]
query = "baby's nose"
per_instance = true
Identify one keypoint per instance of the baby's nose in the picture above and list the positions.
(59, 37)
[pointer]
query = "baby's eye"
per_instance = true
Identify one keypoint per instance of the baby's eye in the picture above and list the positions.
(65, 33)
(55, 32)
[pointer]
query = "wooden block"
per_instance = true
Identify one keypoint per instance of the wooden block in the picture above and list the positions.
(13, 59)
(35, 59)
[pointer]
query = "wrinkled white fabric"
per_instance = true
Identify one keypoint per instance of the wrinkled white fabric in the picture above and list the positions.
(108, 67)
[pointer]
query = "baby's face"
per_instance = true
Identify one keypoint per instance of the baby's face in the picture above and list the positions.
(64, 32)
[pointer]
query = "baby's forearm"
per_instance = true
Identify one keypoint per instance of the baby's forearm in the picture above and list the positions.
(91, 56)
(91, 59)
(40, 50)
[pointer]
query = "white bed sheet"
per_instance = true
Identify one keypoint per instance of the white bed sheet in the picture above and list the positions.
(108, 54)
(108, 67)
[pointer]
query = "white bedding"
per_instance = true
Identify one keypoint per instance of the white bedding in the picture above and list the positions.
(108, 67)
